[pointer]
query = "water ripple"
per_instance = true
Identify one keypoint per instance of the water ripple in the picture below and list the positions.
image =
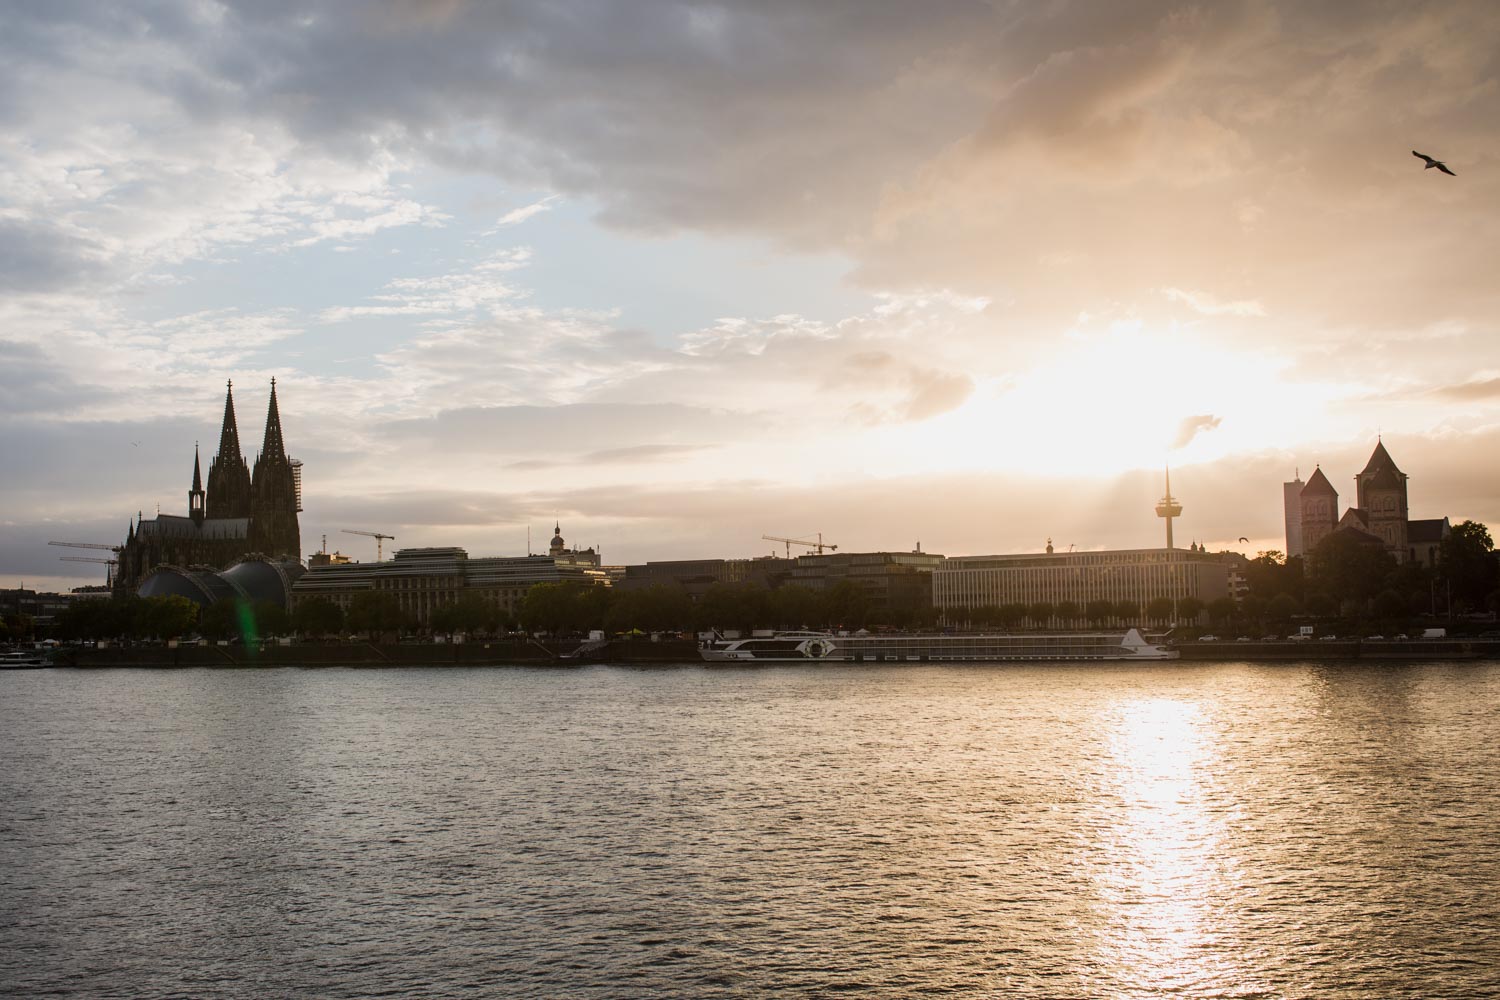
(1216, 831)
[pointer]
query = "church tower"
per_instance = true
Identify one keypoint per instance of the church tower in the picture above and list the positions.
(1381, 489)
(228, 475)
(195, 495)
(273, 528)
(1320, 510)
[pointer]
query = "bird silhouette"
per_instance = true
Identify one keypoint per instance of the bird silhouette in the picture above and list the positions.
(1433, 163)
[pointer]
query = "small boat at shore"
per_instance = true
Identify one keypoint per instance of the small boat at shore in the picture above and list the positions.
(24, 660)
(801, 647)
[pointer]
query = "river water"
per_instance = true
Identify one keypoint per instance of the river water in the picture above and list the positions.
(1228, 830)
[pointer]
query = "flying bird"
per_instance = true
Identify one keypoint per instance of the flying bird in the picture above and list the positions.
(1433, 163)
(1244, 539)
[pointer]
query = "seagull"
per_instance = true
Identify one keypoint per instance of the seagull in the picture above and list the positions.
(1433, 163)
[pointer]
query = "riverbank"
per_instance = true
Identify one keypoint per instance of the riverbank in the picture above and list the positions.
(537, 653)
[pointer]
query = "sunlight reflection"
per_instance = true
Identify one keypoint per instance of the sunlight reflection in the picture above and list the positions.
(1162, 878)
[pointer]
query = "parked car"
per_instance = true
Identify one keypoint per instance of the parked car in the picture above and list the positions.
(1243, 638)
(1208, 638)
(1374, 638)
(1327, 638)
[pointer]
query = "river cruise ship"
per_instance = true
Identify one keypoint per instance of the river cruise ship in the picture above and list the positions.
(795, 647)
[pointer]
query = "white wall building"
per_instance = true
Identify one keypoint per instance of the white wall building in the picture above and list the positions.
(1134, 575)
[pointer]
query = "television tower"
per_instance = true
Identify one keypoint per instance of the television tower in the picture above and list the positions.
(1168, 508)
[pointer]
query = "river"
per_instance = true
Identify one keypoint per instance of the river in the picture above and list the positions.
(1226, 830)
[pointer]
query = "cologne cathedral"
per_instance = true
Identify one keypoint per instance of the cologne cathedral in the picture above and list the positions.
(241, 514)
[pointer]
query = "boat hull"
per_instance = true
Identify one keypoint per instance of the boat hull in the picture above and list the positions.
(823, 648)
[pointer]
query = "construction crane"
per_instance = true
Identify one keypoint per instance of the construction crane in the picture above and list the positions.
(109, 574)
(87, 545)
(380, 538)
(818, 546)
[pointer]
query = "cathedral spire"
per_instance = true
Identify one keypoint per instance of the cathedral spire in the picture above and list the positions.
(196, 496)
(229, 436)
(228, 475)
(273, 446)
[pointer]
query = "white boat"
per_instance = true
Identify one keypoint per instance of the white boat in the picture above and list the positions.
(801, 647)
(23, 660)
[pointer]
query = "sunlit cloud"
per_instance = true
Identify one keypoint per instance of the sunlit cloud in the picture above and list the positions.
(1080, 237)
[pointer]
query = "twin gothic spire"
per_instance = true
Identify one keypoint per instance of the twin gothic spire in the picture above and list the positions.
(231, 490)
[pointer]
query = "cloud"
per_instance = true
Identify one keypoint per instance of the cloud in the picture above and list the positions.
(516, 216)
(994, 173)
(462, 292)
(1481, 389)
(1206, 304)
(1191, 427)
(37, 257)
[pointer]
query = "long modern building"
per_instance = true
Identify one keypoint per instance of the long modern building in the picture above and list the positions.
(1134, 575)
(696, 576)
(892, 581)
(425, 579)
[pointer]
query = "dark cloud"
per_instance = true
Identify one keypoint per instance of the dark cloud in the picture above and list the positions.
(36, 257)
(566, 433)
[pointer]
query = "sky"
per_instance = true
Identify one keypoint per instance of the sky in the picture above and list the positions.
(679, 275)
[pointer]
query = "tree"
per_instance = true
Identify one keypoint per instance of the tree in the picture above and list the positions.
(1271, 573)
(741, 606)
(20, 626)
(221, 619)
(1349, 568)
(1011, 614)
(1320, 604)
(848, 604)
(1467, 564)
(1159, 609)
(374, 611)
(1099, 612)
(1282, 607)
(1189, 608)
(1041, 613)
(318, 616)
(1221, 610)
(1068, 612)
(271, 619)
(169, 617)
(793, 606)
(1390, 605)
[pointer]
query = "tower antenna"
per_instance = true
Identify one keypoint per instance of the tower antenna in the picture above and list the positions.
(1168, 508)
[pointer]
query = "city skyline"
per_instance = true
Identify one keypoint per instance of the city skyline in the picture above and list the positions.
(689, 276)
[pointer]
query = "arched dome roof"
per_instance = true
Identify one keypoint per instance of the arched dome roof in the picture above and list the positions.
(254, 579)
(199, 586)
(264, 580)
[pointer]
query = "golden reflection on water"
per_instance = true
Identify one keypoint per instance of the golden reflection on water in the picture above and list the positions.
(1162, 874)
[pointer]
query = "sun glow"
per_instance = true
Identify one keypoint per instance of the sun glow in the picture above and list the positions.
(1114, 401)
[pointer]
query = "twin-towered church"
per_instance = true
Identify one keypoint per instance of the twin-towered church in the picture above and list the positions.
(241, 511)
(1381, 517)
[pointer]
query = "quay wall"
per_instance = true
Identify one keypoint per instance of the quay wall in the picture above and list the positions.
(522, 653)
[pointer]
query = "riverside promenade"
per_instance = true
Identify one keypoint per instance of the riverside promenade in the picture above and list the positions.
(563, 654)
